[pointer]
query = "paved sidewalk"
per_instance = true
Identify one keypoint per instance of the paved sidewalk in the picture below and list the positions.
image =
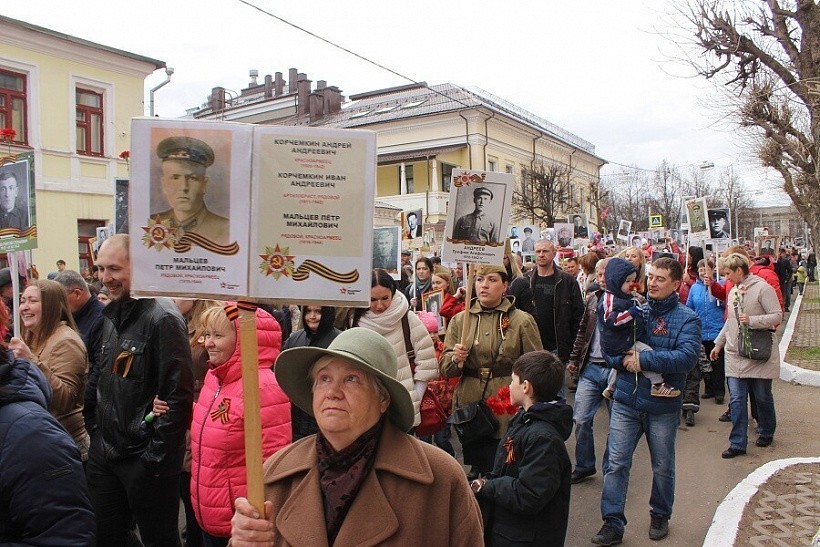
(785, 509)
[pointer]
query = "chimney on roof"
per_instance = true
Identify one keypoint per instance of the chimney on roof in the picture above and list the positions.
(292, 77)
(333, 100)
(254, 74)
(268, 86)
(218, 99)
(278, 85)
(302, 93)
(317, 102)
(321, 84)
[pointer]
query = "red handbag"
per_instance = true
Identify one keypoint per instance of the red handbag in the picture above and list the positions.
(432, 414)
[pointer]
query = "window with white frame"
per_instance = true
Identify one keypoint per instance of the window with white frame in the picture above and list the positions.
(89, 122)
(13, 99)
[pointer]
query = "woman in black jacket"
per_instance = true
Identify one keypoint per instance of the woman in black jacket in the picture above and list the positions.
(318, 332)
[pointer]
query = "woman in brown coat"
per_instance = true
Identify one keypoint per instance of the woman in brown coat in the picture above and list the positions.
(50, 340)
(361, 480)
(752, 302)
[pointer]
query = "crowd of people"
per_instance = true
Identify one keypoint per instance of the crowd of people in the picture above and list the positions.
(136, 405)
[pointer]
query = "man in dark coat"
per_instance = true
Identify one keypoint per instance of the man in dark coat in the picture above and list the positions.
(87, 313)
(134, 464)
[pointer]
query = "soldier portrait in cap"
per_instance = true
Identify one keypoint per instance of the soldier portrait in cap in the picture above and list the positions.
(184, 184)
(14, 195)
(480, 225)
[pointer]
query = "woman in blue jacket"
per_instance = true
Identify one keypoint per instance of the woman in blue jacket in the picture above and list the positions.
(711, 311)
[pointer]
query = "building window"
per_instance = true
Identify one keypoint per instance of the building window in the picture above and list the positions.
(446, 176)
(13, 104)
(408, 177)
(491, 165)
(89, 122)
(508, 169)
(86, 230)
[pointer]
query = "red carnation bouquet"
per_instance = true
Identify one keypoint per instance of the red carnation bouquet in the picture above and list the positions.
(500, 402)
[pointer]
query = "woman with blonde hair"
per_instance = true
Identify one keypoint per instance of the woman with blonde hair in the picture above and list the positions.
(753, 305)
(636, 257)
(453, 300)
(51, 341)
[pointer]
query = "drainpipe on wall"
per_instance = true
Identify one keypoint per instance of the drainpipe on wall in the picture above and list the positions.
(487, 137)
(467, 138)
(532, 166)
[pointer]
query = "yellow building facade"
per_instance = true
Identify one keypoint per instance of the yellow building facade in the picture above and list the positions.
(70, 102)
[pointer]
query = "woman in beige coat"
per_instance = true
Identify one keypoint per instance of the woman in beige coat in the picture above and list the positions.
(361, 480)
(754, 303)
(50, 340)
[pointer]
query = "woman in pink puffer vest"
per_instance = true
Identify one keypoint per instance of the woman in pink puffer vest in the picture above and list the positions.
(217, 430)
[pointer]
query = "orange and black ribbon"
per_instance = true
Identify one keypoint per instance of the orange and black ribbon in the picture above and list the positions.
(125, 358)
(508, 446)
(221, 412)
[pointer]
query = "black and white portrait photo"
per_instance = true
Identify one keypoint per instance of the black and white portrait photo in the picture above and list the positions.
(719, 225)
(411, 222)
(478, 213)
(386, 249)
(14, 196)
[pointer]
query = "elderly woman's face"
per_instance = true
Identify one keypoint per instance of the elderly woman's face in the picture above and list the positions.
(346, 402)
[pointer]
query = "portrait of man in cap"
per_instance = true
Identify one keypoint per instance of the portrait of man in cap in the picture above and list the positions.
(184, 181)
(477, 226)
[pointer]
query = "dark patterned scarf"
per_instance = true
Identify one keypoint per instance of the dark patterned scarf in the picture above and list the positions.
(341, 474)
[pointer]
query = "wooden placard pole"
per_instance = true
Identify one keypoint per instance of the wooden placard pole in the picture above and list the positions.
(468, 295)
(250, 393)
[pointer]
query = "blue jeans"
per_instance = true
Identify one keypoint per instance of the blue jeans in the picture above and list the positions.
(739, 389)
(626, 425)
(588, 399)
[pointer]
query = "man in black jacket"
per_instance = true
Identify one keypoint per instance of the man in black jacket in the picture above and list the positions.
(87, 313)
(557, 302)
(784, 270)
(135, 462)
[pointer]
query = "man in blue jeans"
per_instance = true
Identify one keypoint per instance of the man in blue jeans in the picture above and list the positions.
(673, 332)
(587, 357)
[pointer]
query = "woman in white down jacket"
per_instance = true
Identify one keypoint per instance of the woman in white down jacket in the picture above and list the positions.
(387, 308)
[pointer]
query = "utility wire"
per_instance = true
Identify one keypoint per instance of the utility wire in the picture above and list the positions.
(353, 53)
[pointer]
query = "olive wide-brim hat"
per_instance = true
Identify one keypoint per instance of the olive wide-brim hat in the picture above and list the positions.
(366, 350)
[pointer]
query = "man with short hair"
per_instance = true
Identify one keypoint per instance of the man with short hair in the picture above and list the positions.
(556, 300)
(673, 333)
(413, 228)
(580, 228)
(87, 313)
(12, 215)
(184, 182)
(476, 226)
(135, 463)
(60, 265)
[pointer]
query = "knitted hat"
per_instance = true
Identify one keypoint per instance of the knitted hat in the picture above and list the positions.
(429, 320)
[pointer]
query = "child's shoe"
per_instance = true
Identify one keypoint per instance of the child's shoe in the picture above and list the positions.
(664, 390)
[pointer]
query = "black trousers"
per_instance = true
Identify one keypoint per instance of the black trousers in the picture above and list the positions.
(717, 378)
(123, 493)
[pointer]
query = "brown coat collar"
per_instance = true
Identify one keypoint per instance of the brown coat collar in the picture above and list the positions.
(371, 519)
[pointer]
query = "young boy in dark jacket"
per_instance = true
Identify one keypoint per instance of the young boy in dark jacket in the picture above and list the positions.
(526, 497)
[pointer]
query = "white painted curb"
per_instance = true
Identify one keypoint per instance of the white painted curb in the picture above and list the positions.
(726, 522)
(791, 373)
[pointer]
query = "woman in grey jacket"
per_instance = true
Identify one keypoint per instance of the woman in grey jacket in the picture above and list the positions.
(752, 302)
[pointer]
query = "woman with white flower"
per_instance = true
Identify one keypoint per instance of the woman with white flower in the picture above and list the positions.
(752, 304)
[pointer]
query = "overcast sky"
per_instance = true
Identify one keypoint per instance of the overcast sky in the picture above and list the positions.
(601, 70)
